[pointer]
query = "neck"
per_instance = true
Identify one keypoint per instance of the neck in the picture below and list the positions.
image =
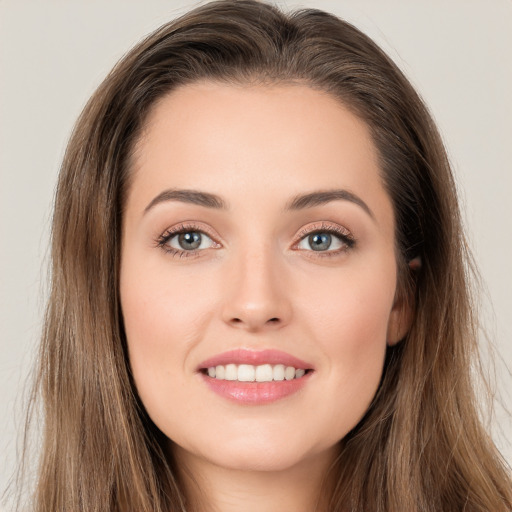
(304, 487)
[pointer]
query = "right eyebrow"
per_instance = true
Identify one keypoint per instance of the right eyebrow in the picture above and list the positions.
(188, 196)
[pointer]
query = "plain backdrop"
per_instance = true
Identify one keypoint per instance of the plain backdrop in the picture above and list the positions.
(53, 54)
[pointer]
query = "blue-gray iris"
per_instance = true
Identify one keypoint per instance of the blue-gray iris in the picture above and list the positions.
(320, 241)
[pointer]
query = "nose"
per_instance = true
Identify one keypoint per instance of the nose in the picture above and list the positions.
(257, 296)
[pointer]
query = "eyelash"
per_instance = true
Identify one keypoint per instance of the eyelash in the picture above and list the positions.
(342, 234)
(165, 237)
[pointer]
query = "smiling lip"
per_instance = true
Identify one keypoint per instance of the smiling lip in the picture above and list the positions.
(255, 357)
(255, 393)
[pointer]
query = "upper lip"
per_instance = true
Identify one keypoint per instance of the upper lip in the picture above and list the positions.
(255, 358)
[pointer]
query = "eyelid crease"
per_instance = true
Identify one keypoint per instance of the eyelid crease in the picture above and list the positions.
(323, 225)
(326, 227)
(184, 227)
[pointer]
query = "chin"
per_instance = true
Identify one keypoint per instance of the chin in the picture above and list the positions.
(254, 451)
(269, 460)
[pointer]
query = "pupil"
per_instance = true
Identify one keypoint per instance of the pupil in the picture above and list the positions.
(191, 240)
(320, 241)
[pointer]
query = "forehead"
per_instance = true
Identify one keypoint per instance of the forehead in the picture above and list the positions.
(263, 141)
(277, 119)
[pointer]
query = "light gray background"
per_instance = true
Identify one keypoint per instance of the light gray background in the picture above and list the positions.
(53, 54)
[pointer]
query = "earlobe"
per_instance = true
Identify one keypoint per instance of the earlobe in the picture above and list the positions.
(415, 264)
(400, 321)
(402, 314)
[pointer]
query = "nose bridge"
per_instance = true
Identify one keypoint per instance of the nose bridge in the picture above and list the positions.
(257, 296)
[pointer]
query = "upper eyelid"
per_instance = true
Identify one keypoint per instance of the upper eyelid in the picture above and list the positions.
(186, 226)
(311, 228)
(324, 226)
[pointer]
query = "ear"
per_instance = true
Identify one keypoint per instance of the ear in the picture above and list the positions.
(400, 320)
(402, 314)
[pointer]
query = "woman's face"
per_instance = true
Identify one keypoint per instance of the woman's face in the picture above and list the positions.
(258, 240)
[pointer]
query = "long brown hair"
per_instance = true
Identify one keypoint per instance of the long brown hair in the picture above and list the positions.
(421, 446)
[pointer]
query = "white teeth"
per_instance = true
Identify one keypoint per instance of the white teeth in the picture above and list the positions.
(246, 373)
(250, 373)
(299, 373)
(264, 373)
(231, 372)
(279, 372)
(220, 372)
(289, 373)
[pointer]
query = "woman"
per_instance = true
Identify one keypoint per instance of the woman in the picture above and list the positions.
(259, 296)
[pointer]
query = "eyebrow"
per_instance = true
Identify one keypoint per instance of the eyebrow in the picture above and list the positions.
(322, 197)
(299, 202)
(188, 196)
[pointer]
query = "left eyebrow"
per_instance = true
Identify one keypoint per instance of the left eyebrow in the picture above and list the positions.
(322, 197)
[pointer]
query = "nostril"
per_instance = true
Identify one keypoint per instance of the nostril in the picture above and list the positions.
(254, 323)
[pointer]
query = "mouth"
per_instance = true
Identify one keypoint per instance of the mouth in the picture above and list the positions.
(251, 373)
(255, 377)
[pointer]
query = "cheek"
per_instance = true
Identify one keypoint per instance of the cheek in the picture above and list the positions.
(162, 309)
(349, 323)
(164, 317)
(353, 307)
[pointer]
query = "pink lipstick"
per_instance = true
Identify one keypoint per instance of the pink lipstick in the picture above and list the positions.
(255, 377)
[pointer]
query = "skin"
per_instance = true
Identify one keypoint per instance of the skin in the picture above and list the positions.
(257, 285)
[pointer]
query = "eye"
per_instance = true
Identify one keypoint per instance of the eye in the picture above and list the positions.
(190, 240)
(325, 239)
(185, 241)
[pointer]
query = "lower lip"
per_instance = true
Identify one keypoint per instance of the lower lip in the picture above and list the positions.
(255, 393)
